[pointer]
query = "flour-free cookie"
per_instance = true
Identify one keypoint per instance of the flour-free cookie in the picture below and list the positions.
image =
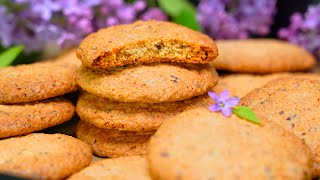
(262, 56)
(105, 114)
(200, 144)
(148, 83)
(19, 119)
(113, 143)
(145, 42)
(293, 103)
(43, 156)
(125, 168)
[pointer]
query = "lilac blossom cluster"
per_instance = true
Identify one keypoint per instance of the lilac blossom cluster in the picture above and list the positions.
(230, 19)
(304, 30)
(39, 23)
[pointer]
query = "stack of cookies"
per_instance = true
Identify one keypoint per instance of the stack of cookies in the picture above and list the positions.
(30, 95)
(262, 60)
(136, 76)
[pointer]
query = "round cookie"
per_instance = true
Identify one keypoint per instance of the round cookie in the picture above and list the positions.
(43, 156)
(149, 83)
(262, 56)
(19, 119)
(131, 116)
(124, 168)
(200, 144)
(113, 143)
(32, 82)
(241, 84)
(294, 104)
(145, 42)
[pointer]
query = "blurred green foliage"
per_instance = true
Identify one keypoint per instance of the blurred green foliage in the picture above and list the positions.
(14, 55)
(181, 11)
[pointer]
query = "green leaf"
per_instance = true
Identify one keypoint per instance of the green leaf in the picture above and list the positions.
(187, 18)
(172, 7)
(9, 55)
(246, 113)
(181, 11)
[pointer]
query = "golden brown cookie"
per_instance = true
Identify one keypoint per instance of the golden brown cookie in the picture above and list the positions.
(19, 119)
(38, 81)
(241, 84)
(43, 156)
(262, 56)
(200, 144)
(293, 103)
(132, 116)
(149, 83)
(145, 42)
(124, 168)
(113, 143)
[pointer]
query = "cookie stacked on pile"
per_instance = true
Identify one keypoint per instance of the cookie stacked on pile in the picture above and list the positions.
(30, 95)
(137, 76)
(254, 62)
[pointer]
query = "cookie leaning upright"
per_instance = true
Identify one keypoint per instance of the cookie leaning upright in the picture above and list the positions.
(200, 144)
(145, 42)
(294, 104)
(262, 56)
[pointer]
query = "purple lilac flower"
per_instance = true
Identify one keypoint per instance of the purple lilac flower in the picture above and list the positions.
(224, 102)
(6, 26)
(304, 30)
(227, 19)
(39, 23)
(154, 13)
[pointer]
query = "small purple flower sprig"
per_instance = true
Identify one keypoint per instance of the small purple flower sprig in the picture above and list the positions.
(228, 105)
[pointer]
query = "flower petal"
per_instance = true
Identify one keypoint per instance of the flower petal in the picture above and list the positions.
(226, 111)
(213, 95)
(224, 95)
(215, 108)
(231, 102)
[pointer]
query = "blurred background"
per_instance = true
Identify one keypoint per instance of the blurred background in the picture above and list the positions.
(35, 29)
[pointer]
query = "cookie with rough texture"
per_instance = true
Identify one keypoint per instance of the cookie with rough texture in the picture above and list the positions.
(262, 56)
(19, 119)
(293, 103)
(200, 144)
(43, 156)
(149, 83)
(132, 116)
(145, 42)
(113, 143)
(125, 168)
(38, 81)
